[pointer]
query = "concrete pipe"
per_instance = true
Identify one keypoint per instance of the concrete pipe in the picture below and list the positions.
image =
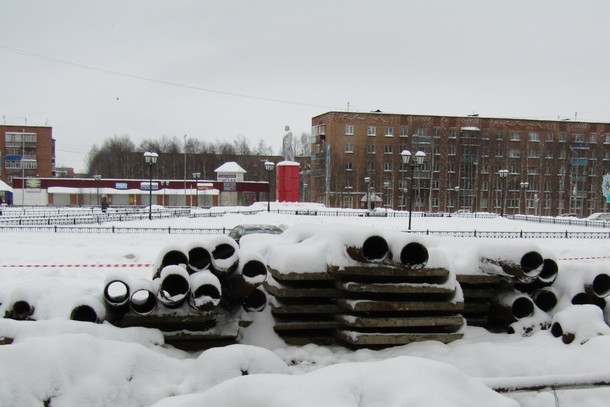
(520, 261)
(143, 298)
(171, 255)
(251, 273)
(88, 309)
(224, 255)
(205, 291)
(174, 286)
(374, 249)
(256, 302)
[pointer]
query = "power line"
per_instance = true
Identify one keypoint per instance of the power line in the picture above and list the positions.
(159, 81)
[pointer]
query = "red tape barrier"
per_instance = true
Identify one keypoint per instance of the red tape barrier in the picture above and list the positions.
(128, 265)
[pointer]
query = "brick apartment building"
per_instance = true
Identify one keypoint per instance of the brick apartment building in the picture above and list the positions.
(554, 167)
(26, 151)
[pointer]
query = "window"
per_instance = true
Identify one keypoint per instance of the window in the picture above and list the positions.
(348, 166)
(349, 148)
(450, 167)
(370, 148)
(514, 153)
(387, 149)
(452, 133)
(579, 138)
(371, 131)
(349, 130)
(606, 138)
(499, 135)
(436, 150)
(548, 154)
(436, 184)
(436, 167)
(451, 150)
(563, 137)
(549, 137)
(533, 136)
(389, 132)
(404, 132)
(592, 138)
(515, 136)
(387, 166)
(533, 153)
(348, 183)
(437, 132)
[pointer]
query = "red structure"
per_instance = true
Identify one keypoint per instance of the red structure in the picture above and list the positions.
(287, 185)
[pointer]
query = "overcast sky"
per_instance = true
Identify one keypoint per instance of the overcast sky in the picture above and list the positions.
(219, 69)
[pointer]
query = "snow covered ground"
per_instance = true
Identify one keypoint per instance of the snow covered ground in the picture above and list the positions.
(57, 362)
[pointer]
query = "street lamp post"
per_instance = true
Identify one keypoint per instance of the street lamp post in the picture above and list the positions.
(151, 159)
(367, 181)
(503, 174)
(196, 175)
(386, 185)
(269, 168)
(457, 198)
(419, 160)
(305, 192)
(97, 179)
(524, 185)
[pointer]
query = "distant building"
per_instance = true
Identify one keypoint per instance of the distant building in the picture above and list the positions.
(26, 151)
(554, 166)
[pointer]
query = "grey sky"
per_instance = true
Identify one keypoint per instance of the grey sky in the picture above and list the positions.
(218, 69)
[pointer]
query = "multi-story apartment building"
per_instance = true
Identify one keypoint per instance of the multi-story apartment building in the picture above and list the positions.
(553, 166)
(26, 151)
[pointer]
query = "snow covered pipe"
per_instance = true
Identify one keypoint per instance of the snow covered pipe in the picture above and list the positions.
(520, 261)
(205, 291)
(256, 301)
(586, 297)
(414, 255)
(174, 286)
(116, 292)
(374, 249)
(88, 309)
(251, 273)
(557, 332)
(549, 272)
(170, 255)
(545, 298)
(510, 307)
(20, 310)
(600, 286)
(224, 255)
(143, 298)
(199, 256)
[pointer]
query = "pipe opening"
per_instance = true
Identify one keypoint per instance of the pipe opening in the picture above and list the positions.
(174, 288)
(254, 268)
(549, 272)
(556, 330)
(223, 251)
(199, 258)
(256, 301)
(84, 313)
(522, 307)
(581, 298)
(375, 248)
(173, 257)
(414, 254)
(601, 285)
(530, 262)
(116, 292)
(143, 301)
(545, 300)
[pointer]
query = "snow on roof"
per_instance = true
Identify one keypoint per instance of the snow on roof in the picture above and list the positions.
(230, 166)
(288, 164)
(5, 187)
(471, 128)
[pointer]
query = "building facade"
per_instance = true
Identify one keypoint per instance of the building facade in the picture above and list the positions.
(553, 167)
(26, 151)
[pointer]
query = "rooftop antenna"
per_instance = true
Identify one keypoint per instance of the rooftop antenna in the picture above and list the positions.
(575, 115)
(348, 106)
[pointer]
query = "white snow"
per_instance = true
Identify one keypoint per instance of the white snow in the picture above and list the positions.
(65, 363)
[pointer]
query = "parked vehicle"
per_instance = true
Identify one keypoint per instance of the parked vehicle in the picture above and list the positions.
(241, 230)
(605, 216)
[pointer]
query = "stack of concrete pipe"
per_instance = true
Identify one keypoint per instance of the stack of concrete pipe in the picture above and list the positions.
(194, 287)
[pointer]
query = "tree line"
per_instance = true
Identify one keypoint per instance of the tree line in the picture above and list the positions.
(119, 157)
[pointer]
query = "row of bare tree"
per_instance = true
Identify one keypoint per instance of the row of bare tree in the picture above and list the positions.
(119, 157)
